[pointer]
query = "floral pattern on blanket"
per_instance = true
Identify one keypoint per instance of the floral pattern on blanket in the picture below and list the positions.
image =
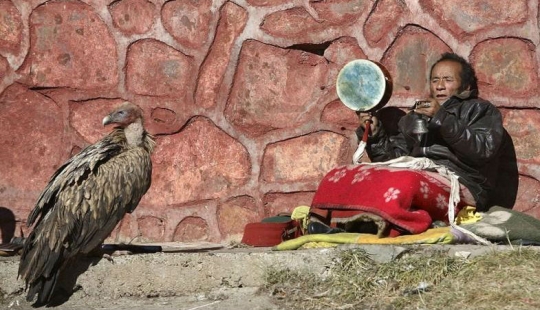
(409, 199)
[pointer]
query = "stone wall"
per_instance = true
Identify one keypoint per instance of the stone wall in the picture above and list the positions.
(240, 94)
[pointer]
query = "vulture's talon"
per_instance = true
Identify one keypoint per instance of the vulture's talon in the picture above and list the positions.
(109, 258)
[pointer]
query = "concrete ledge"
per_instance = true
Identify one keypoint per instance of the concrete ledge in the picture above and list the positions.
(167, 274)
(181, 277)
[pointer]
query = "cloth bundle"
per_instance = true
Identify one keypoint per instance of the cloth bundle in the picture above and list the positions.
(405, 198)
(503, 225)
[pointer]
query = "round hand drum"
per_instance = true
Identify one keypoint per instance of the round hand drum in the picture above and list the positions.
(364, 85)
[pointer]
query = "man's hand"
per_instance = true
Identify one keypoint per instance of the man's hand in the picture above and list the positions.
(427, 107)
(366, 117)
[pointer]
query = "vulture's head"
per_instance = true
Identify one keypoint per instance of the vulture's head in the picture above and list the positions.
(125, 114)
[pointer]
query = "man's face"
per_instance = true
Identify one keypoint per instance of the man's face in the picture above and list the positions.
(445, 80)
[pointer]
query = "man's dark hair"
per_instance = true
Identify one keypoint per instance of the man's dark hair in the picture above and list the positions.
(468, 76)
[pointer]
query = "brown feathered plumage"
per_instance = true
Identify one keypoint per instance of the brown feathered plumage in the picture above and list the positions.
(85, 199)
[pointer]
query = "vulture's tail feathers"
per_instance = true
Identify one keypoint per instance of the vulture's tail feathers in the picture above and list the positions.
(34, 289)
(44, 288)
(39, 267)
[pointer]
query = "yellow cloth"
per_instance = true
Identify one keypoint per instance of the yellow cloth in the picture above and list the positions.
(468, 215)
(301, 214)
(318, 245)
(440, 235)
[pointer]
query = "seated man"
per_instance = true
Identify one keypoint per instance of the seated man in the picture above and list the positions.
(462, 132)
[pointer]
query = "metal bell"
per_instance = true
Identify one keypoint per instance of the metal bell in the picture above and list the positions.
(420, 127)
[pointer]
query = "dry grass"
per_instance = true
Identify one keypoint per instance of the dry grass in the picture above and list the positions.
(499, 280)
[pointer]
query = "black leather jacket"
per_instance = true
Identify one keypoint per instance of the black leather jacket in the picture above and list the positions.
(465, 135)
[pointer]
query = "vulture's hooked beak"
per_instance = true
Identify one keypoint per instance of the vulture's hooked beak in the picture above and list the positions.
(107, 120)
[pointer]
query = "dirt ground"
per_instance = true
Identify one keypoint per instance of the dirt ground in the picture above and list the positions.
(240, 298)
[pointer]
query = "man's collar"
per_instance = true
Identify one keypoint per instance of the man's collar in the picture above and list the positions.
(467, 94)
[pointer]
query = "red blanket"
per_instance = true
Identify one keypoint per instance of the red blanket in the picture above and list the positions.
(408, 199)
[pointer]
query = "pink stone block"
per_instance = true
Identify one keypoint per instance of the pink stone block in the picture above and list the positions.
(235, 213)
(133, 16)
(274, 88)
(66, 39)
(232, 22)
(188, 21)
(338, 114)
(523, 126)
(151, 228)
(468, 17)
(383, 20)
(267, 2)
(528, 197)
(155, 69)
(33, 147)
(506, 67)
(4, 68)
(11, 27)
(201, 162)
(191, 229)
(277, 203)
(317, 19)
(343, 50)
(304, 159)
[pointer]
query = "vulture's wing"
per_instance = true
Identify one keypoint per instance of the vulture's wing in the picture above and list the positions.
(73, 171)
(116, 188)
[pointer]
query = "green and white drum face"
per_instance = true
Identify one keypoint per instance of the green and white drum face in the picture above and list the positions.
(363, 85)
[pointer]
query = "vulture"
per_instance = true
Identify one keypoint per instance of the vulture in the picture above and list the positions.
(85, 199)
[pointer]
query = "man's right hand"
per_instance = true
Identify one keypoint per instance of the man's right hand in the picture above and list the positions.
(369, 118)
